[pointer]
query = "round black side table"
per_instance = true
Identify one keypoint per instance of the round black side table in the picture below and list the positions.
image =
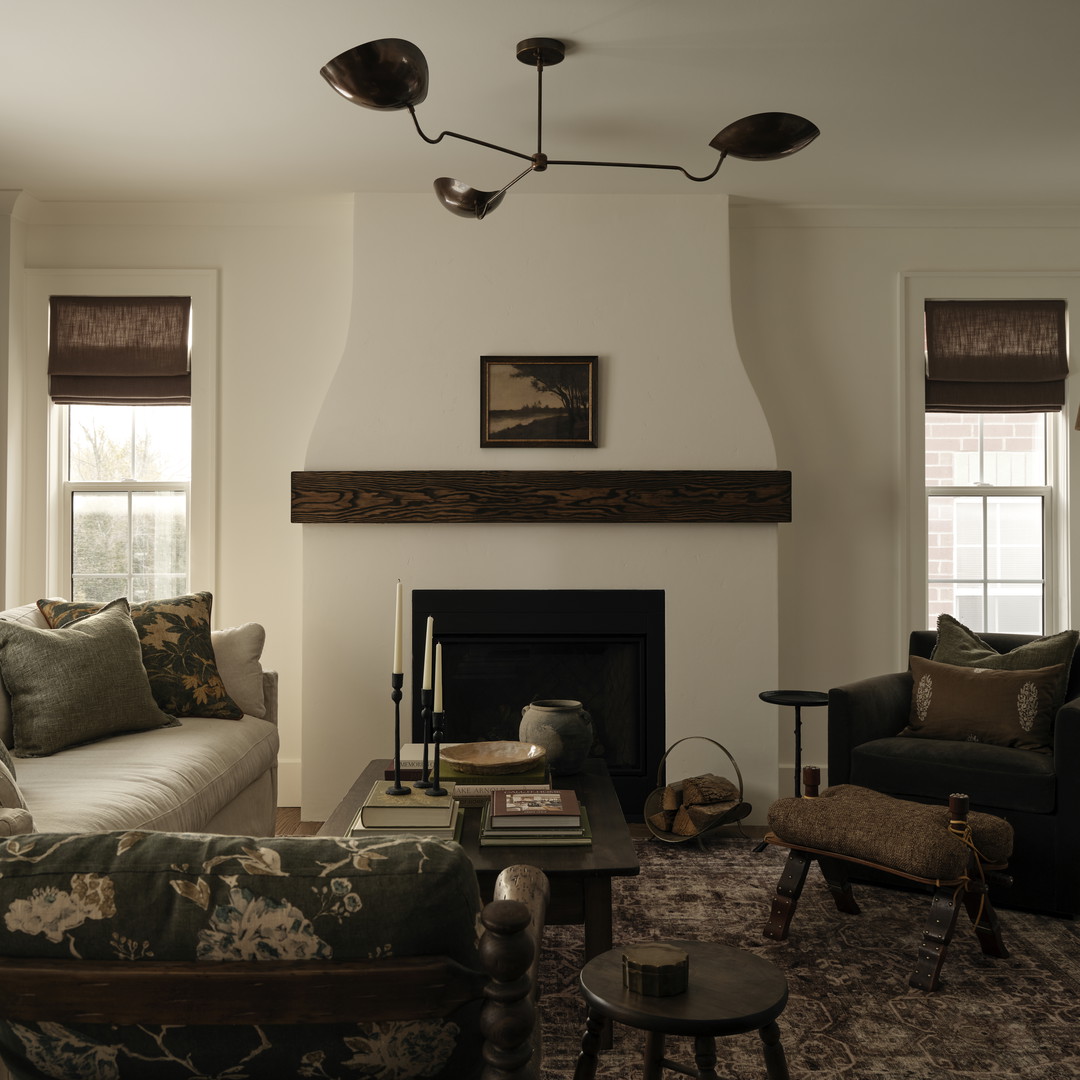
(730, 992)
(798, 698)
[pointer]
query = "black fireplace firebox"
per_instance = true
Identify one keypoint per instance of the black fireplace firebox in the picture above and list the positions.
(503, 648)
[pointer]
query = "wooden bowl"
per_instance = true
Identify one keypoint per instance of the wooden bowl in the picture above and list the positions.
(493, 757)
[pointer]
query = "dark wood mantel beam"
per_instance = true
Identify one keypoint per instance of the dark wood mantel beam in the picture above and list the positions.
(673, 496)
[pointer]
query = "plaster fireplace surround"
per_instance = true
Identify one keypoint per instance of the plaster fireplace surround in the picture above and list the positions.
(561, 275)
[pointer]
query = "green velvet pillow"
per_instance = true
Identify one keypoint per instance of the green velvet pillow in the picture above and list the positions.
(1002, 708)
(78, 684)
(174, 896)
(177, 652)
(956, 644)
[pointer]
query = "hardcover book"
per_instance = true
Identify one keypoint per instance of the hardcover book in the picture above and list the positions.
(442, 832)
(518, 807)
(565, 837)
(413, 810)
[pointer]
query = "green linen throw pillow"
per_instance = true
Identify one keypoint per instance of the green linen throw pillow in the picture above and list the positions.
(177, 652)
(958, 645)
(78, 684)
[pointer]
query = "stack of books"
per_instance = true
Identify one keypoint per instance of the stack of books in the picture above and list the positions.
(414, 812)
(471, 789)
(534, 816)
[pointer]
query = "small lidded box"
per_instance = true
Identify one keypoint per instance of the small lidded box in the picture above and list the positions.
(655, 969)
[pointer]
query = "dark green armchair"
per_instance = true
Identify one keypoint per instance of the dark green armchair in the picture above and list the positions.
(1038, 793)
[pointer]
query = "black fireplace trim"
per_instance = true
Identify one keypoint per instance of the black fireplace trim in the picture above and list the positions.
(597, 612)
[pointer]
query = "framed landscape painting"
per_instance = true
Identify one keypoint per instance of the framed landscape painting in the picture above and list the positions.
(539, 401)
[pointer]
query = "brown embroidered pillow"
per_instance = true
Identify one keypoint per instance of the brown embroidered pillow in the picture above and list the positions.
(177, 652)
(1002, 708)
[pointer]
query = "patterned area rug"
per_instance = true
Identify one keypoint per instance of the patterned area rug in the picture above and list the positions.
(851, 1013)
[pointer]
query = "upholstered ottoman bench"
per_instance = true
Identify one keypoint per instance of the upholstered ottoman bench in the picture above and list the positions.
(939, 846)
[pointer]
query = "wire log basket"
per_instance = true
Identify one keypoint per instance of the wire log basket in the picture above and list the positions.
(654, 801)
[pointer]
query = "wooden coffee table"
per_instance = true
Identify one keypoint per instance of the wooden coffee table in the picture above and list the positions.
(580, 876)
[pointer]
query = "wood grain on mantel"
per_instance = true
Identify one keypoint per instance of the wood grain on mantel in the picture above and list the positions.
(679, 496)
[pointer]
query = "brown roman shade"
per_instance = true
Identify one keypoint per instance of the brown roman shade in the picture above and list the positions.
(119, 350)
(995, 355)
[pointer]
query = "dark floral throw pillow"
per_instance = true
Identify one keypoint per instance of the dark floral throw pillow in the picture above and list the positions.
(176, 651)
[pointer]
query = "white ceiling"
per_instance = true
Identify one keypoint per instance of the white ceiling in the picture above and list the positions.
(920, 102)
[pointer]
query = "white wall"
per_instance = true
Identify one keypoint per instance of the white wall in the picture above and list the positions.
(817, 298)
(284, 272)
(642, 282)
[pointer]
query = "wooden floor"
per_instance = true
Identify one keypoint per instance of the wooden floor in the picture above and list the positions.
(289, 824)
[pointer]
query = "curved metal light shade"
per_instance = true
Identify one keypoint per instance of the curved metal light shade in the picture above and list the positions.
(386, 74)
(466, 201)
(765, 136)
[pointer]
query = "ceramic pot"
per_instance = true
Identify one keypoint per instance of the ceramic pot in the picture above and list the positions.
(563, 728)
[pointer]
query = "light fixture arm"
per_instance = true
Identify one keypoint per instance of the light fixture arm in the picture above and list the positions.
(642, 165)
(464, 138)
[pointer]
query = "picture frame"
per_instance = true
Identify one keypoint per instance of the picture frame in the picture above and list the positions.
(538, 401)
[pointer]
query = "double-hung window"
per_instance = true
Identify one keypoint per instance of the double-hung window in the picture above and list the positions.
(119, 377)
(125, 500)
(994, 392)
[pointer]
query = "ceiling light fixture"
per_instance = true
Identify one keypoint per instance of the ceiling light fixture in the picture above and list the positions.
(393, 74)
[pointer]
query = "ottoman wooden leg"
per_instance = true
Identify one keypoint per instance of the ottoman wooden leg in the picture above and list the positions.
(936, 937)
(788, 890)
(837, 880)
(775, 1061)
(985, 921)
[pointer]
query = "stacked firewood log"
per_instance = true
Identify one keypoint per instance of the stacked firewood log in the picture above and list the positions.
(696, 804)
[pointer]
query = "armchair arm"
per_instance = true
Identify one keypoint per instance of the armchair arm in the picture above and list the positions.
(528, 886)
(1067, 761)
(874, 708)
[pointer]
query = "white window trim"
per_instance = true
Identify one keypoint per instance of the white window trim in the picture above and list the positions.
(1063, 534)
(45, 564)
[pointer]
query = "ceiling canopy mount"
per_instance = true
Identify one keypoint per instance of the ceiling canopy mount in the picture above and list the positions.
(393, 74)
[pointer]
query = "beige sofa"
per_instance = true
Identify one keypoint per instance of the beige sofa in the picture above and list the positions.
(204, 774)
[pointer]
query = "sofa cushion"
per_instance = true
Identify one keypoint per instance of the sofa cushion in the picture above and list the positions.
(1003, 708)
(172, 778)
(237, 651)
(176, 649)
(14, 821)
(958, 645)
(74, 685)
(126, 896)
(996, 778)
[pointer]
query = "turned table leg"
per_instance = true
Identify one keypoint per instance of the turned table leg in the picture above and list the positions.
(775, 1061)
(590, 1046)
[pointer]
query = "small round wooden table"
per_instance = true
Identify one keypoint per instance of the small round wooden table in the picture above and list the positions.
(730, 992)
(800, 699)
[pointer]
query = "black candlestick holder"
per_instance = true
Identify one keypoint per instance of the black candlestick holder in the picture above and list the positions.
(426, 697)
(397, 680)
(436, 735)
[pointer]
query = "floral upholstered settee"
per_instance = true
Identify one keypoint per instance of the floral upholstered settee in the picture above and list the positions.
(115, 717)
(132, 900)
